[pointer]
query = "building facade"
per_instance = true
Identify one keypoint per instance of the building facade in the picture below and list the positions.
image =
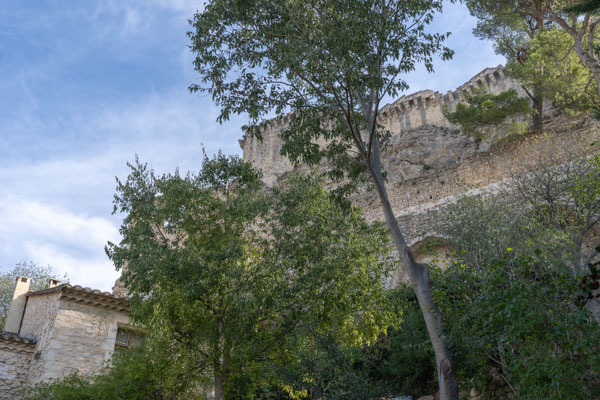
(52, 333)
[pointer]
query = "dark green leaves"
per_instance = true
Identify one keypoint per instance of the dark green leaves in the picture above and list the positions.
(483, 110)
(223, 272)
(330, 62)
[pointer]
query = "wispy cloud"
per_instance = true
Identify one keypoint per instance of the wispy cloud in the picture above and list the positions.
(56, 209)
(91, 85)
(71, 243)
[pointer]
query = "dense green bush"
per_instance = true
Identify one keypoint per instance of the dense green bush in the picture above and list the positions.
(490, 116)
(515, 325)
(317, 366)
(135, 374)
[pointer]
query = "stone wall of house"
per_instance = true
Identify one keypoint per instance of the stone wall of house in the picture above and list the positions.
(15, 356)
(38, 317)
(82, 340)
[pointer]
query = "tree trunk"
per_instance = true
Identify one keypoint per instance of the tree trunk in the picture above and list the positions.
(419, 279)
(589, 61)
(538, 98)
(586, 58)
(219, 383)
(538, 117)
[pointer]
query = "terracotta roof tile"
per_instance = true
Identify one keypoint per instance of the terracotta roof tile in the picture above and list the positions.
(16, 338)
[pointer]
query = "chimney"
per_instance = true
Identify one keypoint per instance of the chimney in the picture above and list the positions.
(17, 306)
(52, 282)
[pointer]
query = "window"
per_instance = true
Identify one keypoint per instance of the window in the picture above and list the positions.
(128, 338)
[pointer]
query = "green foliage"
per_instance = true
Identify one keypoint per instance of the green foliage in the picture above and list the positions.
(553, 69)
(483, 111)
(319, 366)
(550, 208)
(515, 282)
(327, 60)
(590, 284)
(135, 374)
(39, 280)
(587, 6)
(497, 21)
(550, 50)
(399, 362)
(223, 272)
(516, 326)
(322, 368)
(403, 361)
(520, 21)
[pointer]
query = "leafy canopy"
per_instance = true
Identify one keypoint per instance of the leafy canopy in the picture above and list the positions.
(484, 110)
(555, 71)
(330, 62)
(514, 324)
(223, 272)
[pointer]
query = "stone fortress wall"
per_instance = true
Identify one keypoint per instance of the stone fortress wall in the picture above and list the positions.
(409, 112)
(430, 162)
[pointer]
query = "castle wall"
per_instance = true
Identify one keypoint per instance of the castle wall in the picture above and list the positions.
(430, 163)
(409, 112)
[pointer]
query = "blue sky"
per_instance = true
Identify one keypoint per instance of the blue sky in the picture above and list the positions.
(85, 86)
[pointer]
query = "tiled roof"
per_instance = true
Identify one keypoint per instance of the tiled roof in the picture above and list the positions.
(13, 337)
(63, 286)
(86, 295)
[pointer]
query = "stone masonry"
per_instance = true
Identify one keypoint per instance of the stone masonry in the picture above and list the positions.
(15, 355)
(417, 112)
(62, 330)
(430, 162)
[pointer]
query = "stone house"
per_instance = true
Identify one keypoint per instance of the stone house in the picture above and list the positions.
(58, 331)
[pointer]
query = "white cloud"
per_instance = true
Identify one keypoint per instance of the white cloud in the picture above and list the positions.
(70, 243)
(133, 21)
(181, 6)
(95, 272)
(56, 208)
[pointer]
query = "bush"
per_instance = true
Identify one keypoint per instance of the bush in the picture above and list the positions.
(135, 374)
(515, 325)
(491, 117)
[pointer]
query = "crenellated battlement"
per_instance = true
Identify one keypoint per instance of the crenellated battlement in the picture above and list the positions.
(407, 113)
(431, 163)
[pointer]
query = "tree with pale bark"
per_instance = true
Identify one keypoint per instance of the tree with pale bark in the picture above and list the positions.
(331, 63)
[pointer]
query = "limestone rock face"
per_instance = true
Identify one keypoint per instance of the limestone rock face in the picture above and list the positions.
(414, 153)
(430, 163)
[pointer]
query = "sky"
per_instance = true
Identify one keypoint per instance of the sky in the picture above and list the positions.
(87, 85)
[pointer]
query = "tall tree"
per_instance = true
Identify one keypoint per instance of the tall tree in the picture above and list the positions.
(223, 272)
(555, 70)
(578, 19)
(511, 34)
(330, 62)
